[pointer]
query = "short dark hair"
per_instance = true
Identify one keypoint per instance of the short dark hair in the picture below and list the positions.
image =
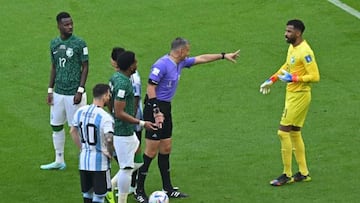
(178, 43)
(125, 60)
(62, 15)
(298, 24)
(100, 90)
(116, 51)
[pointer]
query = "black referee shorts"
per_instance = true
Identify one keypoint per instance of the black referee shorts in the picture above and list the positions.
(166, 131)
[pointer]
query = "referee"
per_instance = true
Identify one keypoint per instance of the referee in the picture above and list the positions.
(163, 81)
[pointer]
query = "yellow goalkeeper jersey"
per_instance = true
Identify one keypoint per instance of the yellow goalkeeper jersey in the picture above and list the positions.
(300, 61)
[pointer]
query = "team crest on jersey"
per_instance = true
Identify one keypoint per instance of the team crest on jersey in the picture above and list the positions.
(292, 60)
(308, 58)
(69, 52)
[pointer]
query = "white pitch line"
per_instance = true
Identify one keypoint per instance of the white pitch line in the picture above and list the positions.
(346, 8)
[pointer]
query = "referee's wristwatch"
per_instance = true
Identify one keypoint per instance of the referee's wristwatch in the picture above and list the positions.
(223, 55)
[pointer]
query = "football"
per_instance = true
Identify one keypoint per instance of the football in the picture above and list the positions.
(158, 197)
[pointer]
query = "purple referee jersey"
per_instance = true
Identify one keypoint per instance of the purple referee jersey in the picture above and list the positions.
(166, 74)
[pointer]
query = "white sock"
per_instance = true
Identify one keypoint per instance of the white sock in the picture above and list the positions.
(122, 198)
(59, 143)
(114, 181)
(124, 181)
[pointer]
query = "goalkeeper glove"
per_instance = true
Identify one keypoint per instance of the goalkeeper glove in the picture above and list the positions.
(265, 87)
(287, 77)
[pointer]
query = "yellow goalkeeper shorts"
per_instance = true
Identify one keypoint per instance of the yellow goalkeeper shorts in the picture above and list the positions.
(296, 108)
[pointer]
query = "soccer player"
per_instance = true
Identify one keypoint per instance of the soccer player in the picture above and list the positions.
(92, 131)
(136, 83)
(125, 141)
(66, 92)
(163, 80)
(299, 71)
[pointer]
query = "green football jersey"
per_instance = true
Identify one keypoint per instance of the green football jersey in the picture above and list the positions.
(122, 90)
(68, 56)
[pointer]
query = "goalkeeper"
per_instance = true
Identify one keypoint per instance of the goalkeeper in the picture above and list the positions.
(299, 71)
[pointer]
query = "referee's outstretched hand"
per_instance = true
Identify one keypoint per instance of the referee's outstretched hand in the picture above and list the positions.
(232, 56)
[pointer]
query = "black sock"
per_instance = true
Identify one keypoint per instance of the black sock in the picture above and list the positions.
(143, 170)
(164, 166)
(87, 200)
(133, 178)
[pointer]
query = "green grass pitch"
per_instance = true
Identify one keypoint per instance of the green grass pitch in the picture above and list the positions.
(225, 145)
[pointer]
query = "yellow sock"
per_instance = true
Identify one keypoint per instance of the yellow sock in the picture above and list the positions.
(286, 151)
(299, 151)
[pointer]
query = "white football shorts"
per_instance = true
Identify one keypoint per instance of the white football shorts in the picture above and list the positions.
(63, 108)
(125, 148)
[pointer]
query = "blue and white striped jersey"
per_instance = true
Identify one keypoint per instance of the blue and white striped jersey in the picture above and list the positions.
(92, 123)
(136, 83)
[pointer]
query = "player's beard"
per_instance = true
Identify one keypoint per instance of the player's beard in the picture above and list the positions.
(290, 40)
